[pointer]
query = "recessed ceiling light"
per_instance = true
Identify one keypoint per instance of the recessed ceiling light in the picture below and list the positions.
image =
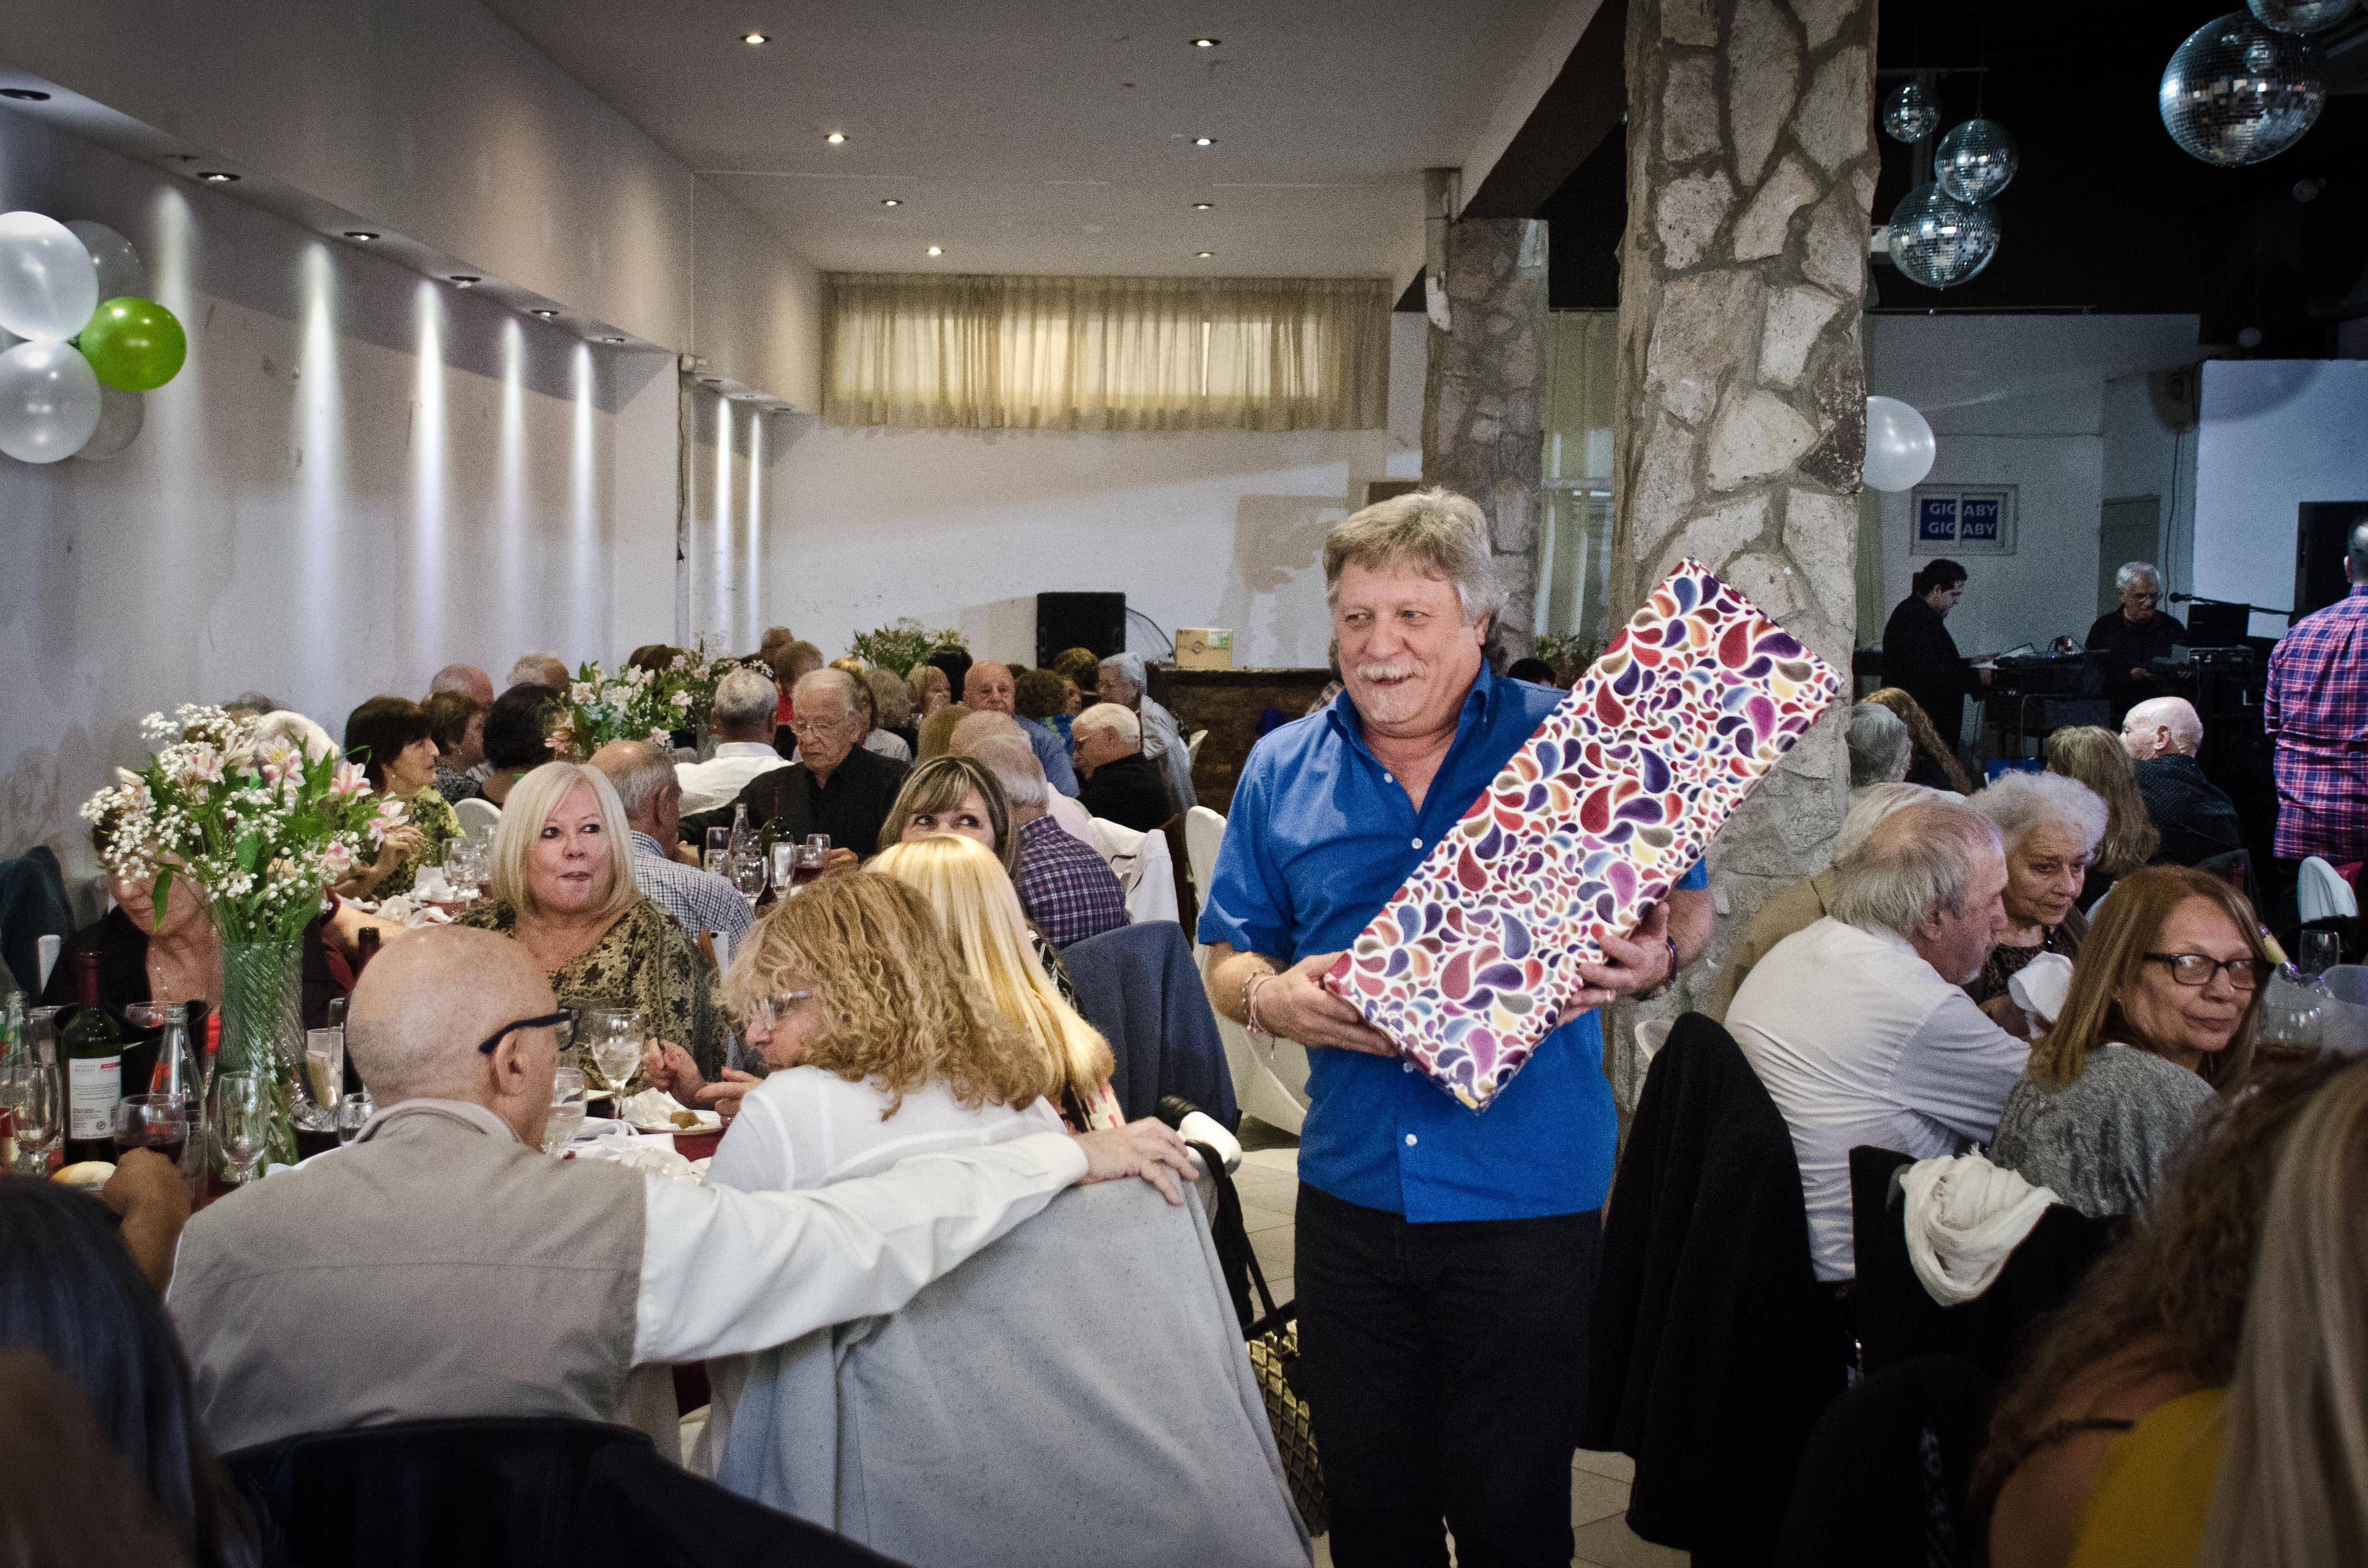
(1203, 206)
(466, 279)
(547, 315)
(710, 380)
(1204, 254)
(217, 177)
(754, 37)
(1204, 142)
(364, 234)
(835, 137)
(936, 250)
(891, 202)
(1207, 42)
(612, 340)
(24, 94)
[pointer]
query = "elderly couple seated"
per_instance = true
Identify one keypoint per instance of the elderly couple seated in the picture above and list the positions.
(1077, 1389)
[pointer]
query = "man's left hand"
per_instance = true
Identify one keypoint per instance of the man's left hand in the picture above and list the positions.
(1638, 962)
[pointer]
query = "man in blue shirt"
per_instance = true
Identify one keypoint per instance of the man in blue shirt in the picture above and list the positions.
(1445, 1258)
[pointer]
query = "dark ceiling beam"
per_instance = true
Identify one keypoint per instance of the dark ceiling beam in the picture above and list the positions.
(1571, 119)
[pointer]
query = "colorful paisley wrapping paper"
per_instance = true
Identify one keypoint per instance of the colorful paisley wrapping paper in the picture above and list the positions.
(1469, 964)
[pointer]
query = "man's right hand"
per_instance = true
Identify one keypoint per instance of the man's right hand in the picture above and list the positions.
(1295, 1005)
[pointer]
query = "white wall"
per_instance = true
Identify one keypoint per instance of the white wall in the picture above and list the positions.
(2150, 450)
(359, 476)
(962, 529)
(2017, 400)
(2275, 433)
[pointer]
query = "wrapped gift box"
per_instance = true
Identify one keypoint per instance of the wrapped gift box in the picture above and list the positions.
(1472, 962)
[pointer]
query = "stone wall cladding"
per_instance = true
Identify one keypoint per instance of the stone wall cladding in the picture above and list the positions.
(1741, 420)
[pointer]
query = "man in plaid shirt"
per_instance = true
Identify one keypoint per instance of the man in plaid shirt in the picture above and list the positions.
(1069, 892)
(2316, 709)
(644, 779)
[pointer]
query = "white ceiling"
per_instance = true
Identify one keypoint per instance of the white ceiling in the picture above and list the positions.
(1034, 136)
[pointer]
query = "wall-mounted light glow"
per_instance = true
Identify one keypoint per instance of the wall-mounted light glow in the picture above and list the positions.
(1204, 254)
(431, 444)
(754, 37)
(612, 340)
(217, 177)
(466, 279)
(364, 235)
(1207, 42)
(547, 315)
(24, 94)
(936, 250)
(510, 512)
(1204, 142)
(891, 202)
(836, 138)
(1205, 207)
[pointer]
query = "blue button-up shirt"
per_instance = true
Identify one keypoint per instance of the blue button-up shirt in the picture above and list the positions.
(1320, 836)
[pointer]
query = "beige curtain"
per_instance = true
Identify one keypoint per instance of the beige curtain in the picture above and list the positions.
(1574, 579)
(1105, 353)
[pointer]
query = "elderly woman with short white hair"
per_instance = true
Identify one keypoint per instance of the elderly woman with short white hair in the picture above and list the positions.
(563, 887)
(2050, 827)
(2134, 633)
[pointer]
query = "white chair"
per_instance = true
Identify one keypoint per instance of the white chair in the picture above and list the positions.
(1192, 748)
(45, 953)
(2321, 894)
(1270, 1075)
(1145, 872)
(478, 817)
(1204, 831)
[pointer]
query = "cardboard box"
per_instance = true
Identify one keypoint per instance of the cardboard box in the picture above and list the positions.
(1204, 647)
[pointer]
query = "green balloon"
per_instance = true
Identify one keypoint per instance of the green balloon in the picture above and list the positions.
(134, 344)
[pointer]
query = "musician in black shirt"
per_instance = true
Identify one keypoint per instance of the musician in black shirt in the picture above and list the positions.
(2135, 635)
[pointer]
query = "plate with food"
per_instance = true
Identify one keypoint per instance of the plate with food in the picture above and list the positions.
(654, 1110)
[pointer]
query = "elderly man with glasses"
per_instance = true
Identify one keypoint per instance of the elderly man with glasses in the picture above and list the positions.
(443, 1266)
(2136, 632)
(835, 788)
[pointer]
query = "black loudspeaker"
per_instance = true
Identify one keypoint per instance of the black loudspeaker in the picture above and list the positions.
(1079, 620)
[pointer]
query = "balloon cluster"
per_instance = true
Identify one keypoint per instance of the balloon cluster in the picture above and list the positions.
(82, 339)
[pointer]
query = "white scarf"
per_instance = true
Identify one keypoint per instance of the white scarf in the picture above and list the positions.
(1964, 1217)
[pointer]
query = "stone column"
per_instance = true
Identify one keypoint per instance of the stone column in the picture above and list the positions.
(1484, 398)
(1741, 420)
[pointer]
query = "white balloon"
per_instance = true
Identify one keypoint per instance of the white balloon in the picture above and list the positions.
(48, 286)
(121, 415)
(1898, 445)
(120, 270)
(48, 402)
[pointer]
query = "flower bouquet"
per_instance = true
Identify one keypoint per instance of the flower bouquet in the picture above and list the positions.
(261, 825)
(899, 647)
(634, 704)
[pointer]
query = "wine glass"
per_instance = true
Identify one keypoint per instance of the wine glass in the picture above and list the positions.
(243, 1107)
(613, 1037)
(746, 874)
(30, 1101)
(566, 1110)
(2317, 952)
(353, 1111)
(153, 1121)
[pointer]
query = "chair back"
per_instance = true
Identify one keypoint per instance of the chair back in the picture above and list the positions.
(478, 817)
(1204, 832)
(1192, 747)
(2322, 894)
(32, 906)
(1140, 862)
(1888, 1470)
(1138, 985)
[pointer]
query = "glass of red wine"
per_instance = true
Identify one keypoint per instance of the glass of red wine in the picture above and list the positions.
(807, 866)
(153, 1121)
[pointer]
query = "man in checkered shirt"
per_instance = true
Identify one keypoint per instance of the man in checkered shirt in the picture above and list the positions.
(643, 775)
(2316, 709)
(1068, 891)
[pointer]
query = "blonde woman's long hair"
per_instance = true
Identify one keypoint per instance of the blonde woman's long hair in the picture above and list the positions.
(2113, 957)
(2093, 756)
(898, 1008)
(532, 799)
(2292, 1484)
(965, 884)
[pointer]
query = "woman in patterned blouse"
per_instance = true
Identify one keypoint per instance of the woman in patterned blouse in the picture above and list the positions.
(391, 737)
(563, 887)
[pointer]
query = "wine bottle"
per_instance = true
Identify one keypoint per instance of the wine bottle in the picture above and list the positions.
(365, 949)
(176, 1062)
(92, 1052)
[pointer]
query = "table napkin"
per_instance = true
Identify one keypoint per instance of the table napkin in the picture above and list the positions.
(1470, 964)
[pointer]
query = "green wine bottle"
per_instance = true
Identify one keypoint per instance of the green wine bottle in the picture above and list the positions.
(92, 1052)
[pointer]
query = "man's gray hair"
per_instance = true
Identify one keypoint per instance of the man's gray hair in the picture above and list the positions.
(538, 669)
(1871, 804)
(745, 699)
(1109, 716)
(1878, 744)
(1918, 861)
(1006, 753)
(639, 771)
(2017, 802)
(1436, 532)
(837, 684)
(2136, 571)
(1128, 667)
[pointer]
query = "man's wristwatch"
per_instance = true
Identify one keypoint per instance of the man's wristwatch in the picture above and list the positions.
(1667, 980)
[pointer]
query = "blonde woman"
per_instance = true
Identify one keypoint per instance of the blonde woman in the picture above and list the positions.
(965, 884)
(564, 889)
(2158, 1020)
(2094, 756)
(931, 692)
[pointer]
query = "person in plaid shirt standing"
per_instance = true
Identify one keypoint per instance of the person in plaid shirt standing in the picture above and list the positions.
(2315, 709)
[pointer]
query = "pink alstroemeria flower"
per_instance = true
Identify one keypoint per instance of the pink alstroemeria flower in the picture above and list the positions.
(349, 778)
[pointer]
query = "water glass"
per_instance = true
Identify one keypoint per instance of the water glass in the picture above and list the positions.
(746, 874)
(242, 1108)
(783, 860)
(353, 1111)
(322, 1085)
(566, 1110)
(32, 1115)
(2317, 952)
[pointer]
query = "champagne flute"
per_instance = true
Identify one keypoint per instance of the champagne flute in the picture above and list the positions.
(242, 1108)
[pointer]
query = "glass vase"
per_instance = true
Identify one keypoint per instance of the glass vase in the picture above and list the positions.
(263, 1028)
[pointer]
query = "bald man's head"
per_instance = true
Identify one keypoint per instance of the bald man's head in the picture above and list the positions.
(988, 688)
(425, 1003)
(2162, 727)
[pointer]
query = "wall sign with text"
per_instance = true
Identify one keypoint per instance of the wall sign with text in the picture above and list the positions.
(1962, 519)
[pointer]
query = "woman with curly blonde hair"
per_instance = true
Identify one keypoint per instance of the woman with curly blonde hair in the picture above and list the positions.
(965, 884)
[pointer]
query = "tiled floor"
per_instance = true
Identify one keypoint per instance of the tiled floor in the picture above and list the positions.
(1268, 1183)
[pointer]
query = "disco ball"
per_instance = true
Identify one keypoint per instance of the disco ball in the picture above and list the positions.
(1976, 161)
(1940, 241)
(2297, 16)
(2237, 92)
(1912, 114)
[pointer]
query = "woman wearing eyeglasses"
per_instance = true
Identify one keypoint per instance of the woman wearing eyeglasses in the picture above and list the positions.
(2160, 1019)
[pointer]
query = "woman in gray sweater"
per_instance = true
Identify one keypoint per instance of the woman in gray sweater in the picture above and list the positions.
(2160, 1019)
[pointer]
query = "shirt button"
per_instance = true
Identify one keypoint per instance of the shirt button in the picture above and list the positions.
(1418, 844)
(1409, 1140)
(1405, 1067)
(1389, 778)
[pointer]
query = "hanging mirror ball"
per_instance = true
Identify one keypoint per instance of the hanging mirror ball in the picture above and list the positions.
(2297, 16)
(2237, 92)
(1976, 161)
(1940, 241)
(1912, 114)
